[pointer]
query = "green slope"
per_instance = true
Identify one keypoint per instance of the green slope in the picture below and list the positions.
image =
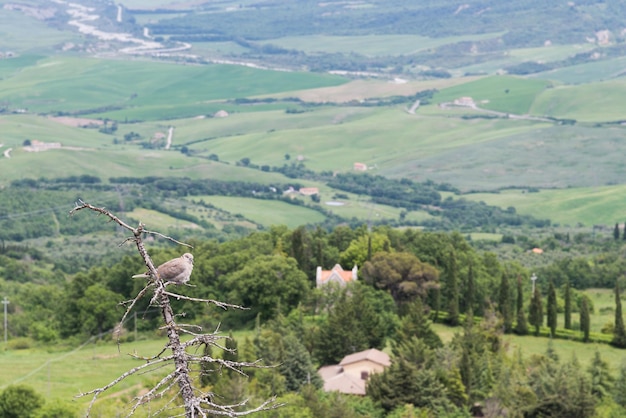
(72, 84)
(594, 102)
(502, 93)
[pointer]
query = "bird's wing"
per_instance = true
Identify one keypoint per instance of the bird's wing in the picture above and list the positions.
(171, 269)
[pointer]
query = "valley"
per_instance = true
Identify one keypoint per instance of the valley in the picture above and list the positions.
(450, 152)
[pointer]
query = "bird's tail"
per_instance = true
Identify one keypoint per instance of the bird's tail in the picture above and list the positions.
(141, 276)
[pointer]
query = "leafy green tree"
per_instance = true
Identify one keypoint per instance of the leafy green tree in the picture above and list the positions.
(70, 313)
(535, 316)
(619, 388)
(477, 349)
(268, 285)
(19, 401)
(352, 325)
(56, 409)
(342, 236)
(619, 333)
(585, 320)
(297, 366)
(568, 306)
(402, 274)
(601, 379)
(504, 303)
(415, 323)
(410, 379)
(552, 308)
(561, 390)
(521, 326)
(357, 251)
(616, 232)
(99, 309)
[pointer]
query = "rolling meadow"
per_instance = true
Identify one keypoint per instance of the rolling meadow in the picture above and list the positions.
(208, 137)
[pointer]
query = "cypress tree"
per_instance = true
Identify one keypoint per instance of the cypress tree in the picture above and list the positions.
(416, 324)
(619, 334)
(535, 316)
(230, 354)
(469, 298)
(616, 232)
(209, 372)
(453, 290)
(521, 327)
(504, 303)
(585, 323)
(552, 308)
(601, 378)
(568, 306)
(619, 389)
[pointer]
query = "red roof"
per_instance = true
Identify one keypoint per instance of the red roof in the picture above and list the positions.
(346, 276)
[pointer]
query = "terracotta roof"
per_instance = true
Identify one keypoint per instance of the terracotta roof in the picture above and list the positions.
(346, 276)
(372, 354)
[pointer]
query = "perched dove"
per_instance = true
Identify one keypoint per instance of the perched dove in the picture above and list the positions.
(176, 270)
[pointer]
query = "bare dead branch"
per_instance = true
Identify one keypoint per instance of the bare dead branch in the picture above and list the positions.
(195, 403)
(168, 238)
(134, 370)
(208, 301)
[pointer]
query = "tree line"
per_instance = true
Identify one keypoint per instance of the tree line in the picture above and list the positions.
(407, 279)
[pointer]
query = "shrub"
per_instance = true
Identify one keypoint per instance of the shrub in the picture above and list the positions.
(21, 343)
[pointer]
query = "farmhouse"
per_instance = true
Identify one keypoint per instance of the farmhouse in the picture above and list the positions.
(464, 101)
(359, 167)
(335, 275)
(36, 146)
(309, 191)
(351, 374)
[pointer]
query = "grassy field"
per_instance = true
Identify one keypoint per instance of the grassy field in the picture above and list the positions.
(589, 206)
(502, 93)
(589, 72)
(530, 345)
(457, 146)
(373, 45)
(24, 34)
(157, 89)
(596, 102)
(63, 373)
(265, 212)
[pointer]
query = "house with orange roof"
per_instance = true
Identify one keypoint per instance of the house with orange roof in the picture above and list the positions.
(351, 374)
(335, 275)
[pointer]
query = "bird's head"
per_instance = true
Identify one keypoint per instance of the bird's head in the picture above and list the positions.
(188, 257)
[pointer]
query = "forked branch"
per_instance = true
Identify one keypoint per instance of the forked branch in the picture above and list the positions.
(195, 403)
